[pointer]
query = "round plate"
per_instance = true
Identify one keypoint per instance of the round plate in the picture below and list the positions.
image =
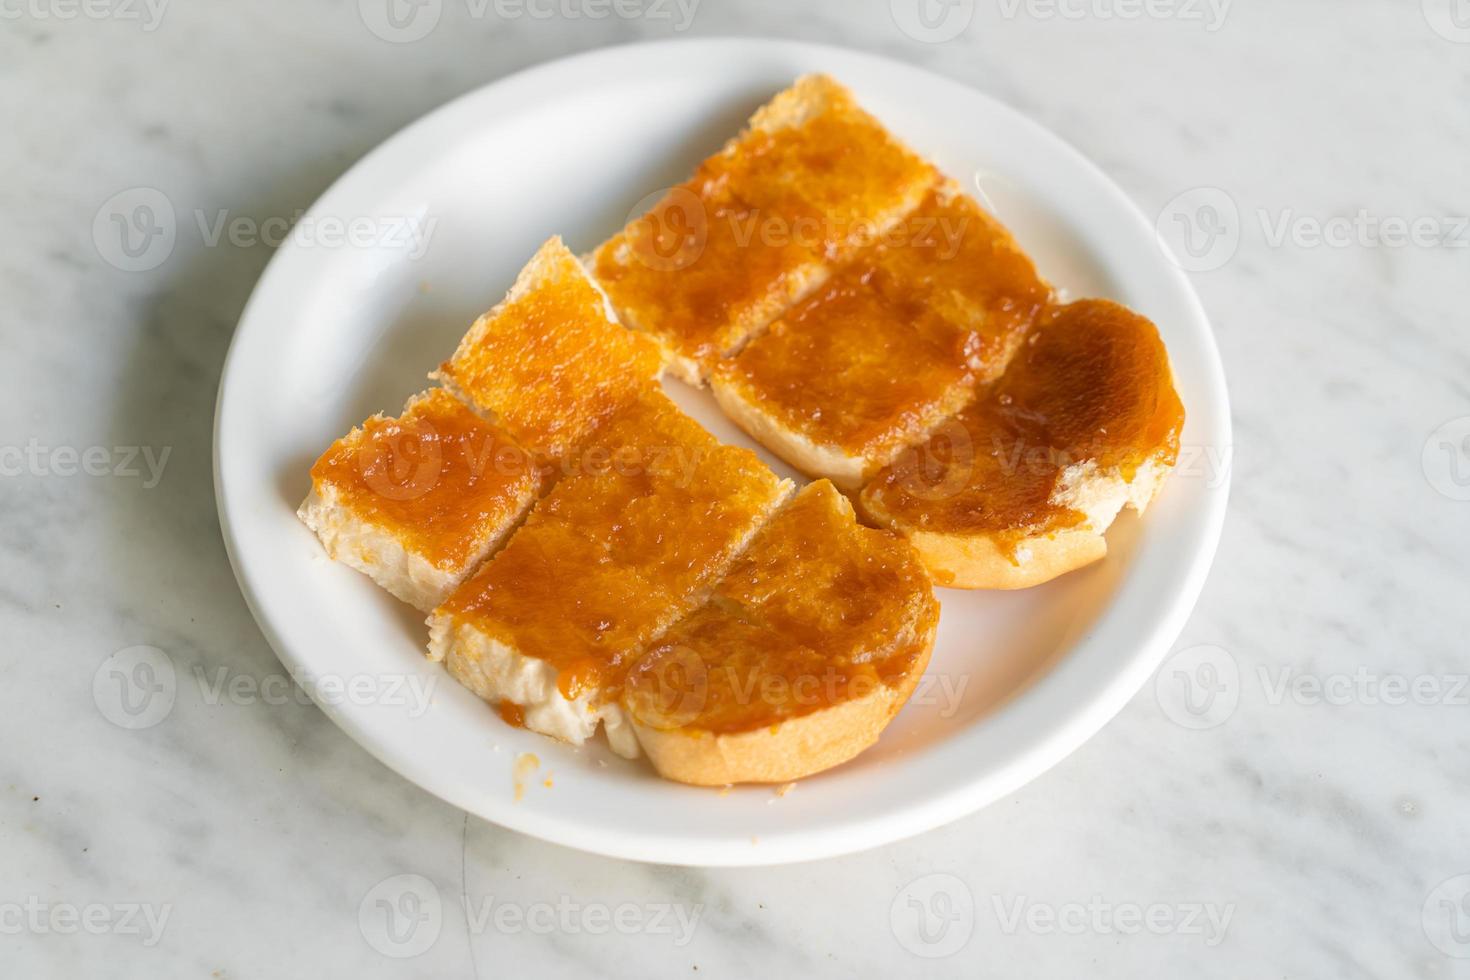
(446, 212)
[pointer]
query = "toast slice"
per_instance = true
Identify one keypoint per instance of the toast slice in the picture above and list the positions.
(808, 647)
(891, 346)
(1020, 487)
(612, 556)
(761, 224)
(550, 363)
(417, 502)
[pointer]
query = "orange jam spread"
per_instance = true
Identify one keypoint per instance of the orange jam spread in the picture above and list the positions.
(440, 479)
(686, 273)
(817, 611)
(512, 714)
(854, 368)
(893, 343)
(548, 363)
(813, 155)
(761, 222)
(621, 548)
(961, 268)
(1090, 384)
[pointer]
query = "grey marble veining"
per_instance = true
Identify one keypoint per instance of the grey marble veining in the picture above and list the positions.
(1314, 826)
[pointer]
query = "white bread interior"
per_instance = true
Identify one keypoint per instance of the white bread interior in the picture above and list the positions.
(981, 561)
(496, 672)
(379, 554)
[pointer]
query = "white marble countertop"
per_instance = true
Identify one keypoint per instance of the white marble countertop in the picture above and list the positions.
(1318, 829)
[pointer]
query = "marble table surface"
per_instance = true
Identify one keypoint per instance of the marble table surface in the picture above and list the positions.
(1317, 825)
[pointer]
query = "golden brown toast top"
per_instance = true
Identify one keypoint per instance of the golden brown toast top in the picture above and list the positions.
(623, 547)
(952, 265)
(850, 370)
(812, 154)
(439, 478)
(547, 363)
(720, 255)
(893, 343)
(817, 611)
(1091, 385)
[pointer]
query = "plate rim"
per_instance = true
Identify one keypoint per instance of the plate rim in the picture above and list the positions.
(1039, 753)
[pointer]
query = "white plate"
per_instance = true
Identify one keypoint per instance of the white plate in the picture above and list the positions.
(334, 334)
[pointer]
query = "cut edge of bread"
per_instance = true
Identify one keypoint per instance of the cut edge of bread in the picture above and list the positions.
(985, 561)
(792, 749)
(813, 459)
(498, 672)
(847, 471)
(680, 365)
(689, 368)
(381, 555)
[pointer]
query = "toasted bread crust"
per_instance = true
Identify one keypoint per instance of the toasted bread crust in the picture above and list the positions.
(804, 653)
(845, 471)
(977, 562)
(794, 749)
